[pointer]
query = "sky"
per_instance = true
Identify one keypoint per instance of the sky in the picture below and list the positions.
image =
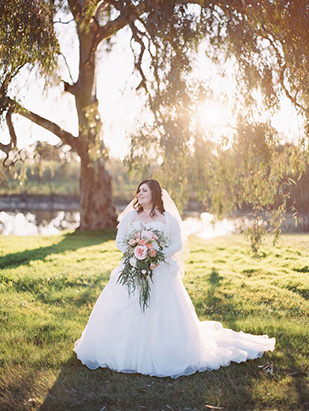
(121, 107)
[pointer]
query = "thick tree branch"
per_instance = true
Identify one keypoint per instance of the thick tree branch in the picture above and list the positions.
(65, 136)
(75, 8)
(70, 88)
(128, 14)
(110, 28)
(6, 148)
(101, 6)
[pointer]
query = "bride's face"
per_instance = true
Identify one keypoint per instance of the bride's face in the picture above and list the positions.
(144, 196)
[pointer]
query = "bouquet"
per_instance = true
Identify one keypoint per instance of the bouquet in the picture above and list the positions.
(143, 253)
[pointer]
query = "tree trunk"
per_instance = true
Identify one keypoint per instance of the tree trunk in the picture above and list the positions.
(96, 203)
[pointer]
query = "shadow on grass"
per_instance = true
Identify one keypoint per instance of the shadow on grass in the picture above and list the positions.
(214, 279)
(70, 242)
(212, 298)
(216, 304)
(78, 388)
(47, 291)
(237, 387)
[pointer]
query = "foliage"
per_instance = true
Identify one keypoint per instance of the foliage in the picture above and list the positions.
(254, 172)
(43, 170)
(26, 38)
(53, 177)
(39, 176)
(265, 41)
(50, 284)
(258, 173)
(263, 175)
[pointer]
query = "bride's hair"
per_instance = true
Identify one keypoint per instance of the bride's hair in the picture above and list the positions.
(156, 194)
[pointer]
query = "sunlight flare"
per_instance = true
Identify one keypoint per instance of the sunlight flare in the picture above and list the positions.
(215, 120)
(212, 115)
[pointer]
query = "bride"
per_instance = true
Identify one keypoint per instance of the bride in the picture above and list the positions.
(167, 338)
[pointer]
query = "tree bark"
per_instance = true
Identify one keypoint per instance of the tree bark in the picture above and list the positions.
(96, 202)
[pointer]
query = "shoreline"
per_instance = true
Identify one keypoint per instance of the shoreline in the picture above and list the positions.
(56, 202)
(46, 207)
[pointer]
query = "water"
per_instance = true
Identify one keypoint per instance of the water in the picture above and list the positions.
(44, 222)
(47, 222)
(206, 226)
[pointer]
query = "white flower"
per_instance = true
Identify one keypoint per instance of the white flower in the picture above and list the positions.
(146, 234)
(144, 272)
(155, 245)
(132, 262)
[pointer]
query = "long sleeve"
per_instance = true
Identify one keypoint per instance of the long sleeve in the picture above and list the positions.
(123, 231)
(174, 237)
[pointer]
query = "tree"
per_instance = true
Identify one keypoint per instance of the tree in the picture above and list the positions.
(266, 39)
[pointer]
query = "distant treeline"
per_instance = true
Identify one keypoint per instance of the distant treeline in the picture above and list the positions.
(60, 177)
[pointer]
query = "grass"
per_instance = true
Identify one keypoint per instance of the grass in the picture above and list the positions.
(50, 284)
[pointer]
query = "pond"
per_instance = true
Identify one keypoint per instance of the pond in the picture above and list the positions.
(46, 222)
(50, 221)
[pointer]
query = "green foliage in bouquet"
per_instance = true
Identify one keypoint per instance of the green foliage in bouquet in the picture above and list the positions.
(144, 252)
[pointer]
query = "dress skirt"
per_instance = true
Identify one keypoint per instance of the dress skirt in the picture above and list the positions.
(167, 339)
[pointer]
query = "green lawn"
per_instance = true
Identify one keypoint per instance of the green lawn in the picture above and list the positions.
(48, 288)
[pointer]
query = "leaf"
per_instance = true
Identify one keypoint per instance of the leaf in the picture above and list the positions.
(291, 181)
(268, 368)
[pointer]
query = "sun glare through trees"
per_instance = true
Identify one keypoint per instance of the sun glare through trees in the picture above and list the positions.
(215, 119)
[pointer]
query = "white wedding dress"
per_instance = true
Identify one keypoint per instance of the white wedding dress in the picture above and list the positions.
(167, 339)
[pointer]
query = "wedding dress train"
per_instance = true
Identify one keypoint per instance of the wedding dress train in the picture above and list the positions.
(167, 339)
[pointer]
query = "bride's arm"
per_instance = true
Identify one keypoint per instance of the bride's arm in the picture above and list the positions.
(123, 231)
(174, 237)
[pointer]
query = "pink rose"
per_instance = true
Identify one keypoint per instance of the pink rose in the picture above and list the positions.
(142, 242)
(132, 241)
(152, 253)
(149, 245)
(153, 266)
(140, 252)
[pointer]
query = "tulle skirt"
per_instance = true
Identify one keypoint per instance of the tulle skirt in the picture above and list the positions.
(166, 340)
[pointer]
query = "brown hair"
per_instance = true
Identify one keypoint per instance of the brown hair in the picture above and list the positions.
(156, 197)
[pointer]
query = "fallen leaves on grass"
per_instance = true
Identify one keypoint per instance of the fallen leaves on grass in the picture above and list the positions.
(268, 368)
